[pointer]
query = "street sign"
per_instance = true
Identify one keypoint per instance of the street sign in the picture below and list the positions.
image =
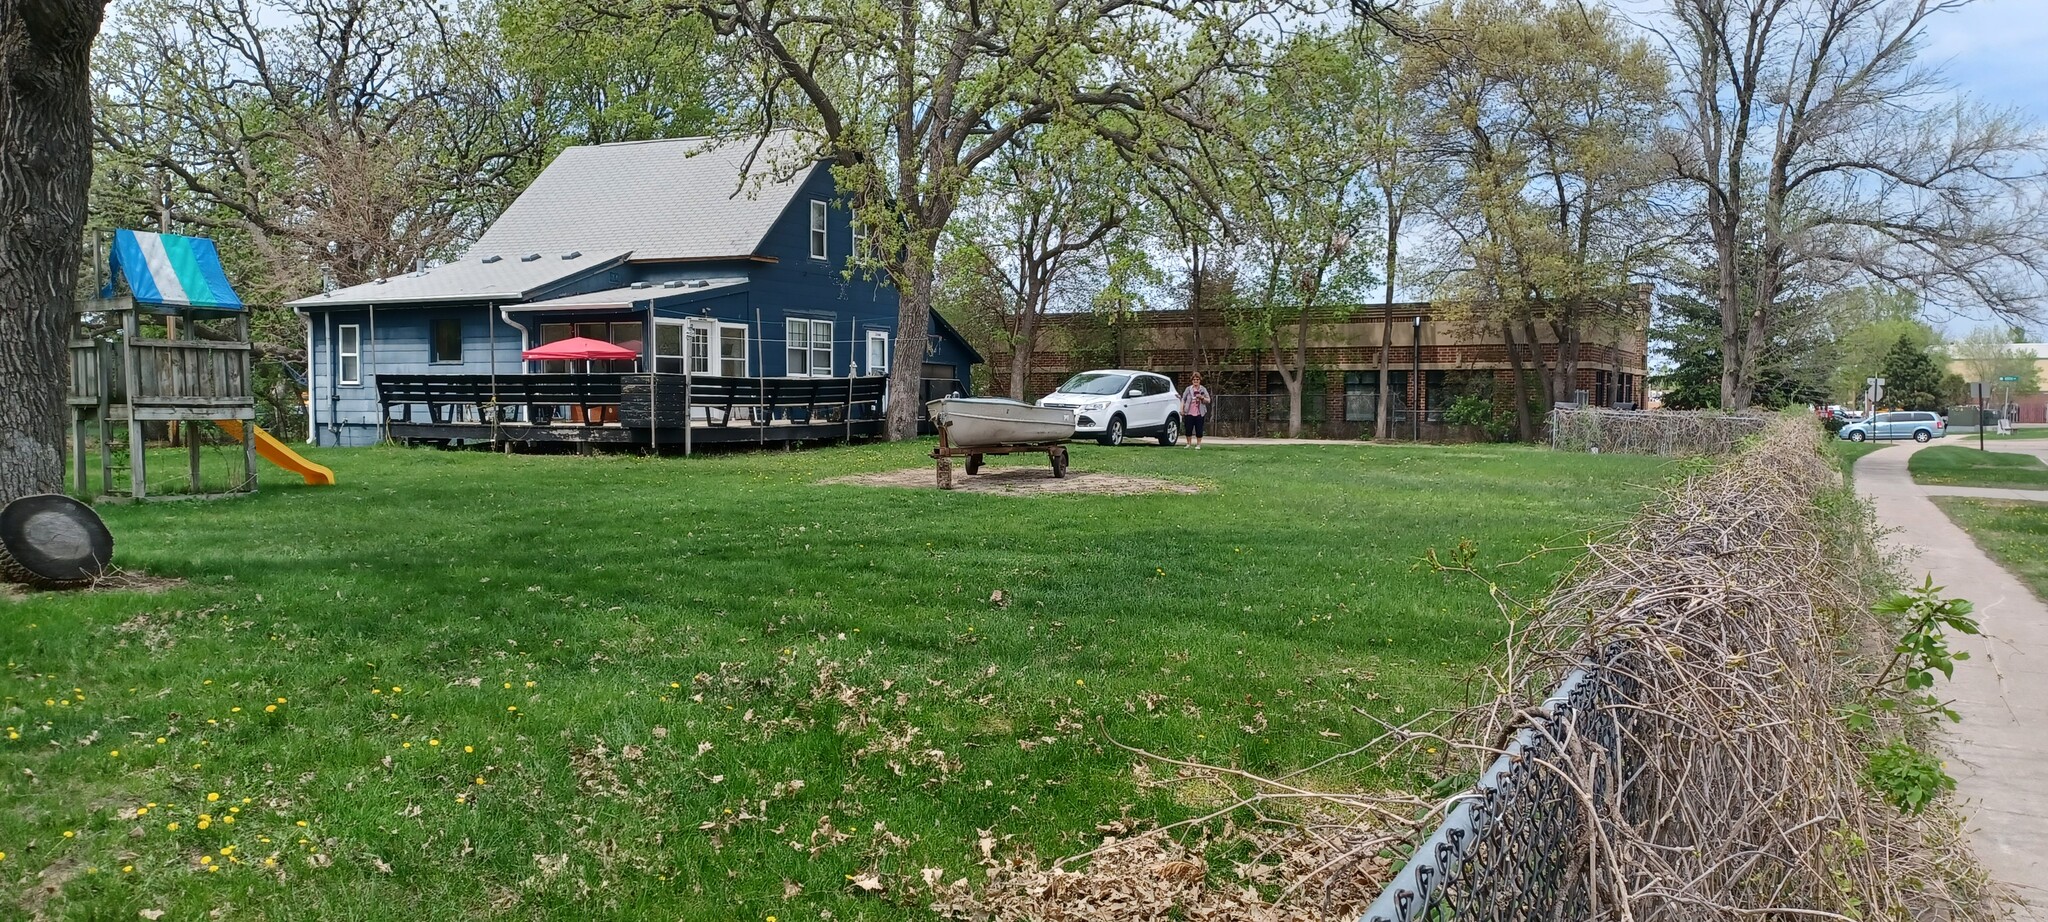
(1979, 389)
(2008, 378)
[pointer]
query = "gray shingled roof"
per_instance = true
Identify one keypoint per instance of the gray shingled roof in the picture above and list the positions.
(508, 278)
(676, 199)
(630, 297)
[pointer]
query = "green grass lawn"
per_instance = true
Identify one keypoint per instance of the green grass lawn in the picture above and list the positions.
(2014, 533)
(1956, 466)
(473, 686)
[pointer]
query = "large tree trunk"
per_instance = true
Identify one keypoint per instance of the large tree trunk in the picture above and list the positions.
(1523, 424)
(913, 323)
(1021, 351)
(45, 167)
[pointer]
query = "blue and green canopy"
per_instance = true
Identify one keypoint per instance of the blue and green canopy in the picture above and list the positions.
(170, 273)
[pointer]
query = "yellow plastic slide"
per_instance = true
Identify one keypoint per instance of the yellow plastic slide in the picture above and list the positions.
(280, 454)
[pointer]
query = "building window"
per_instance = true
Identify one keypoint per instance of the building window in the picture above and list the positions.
(1361, 396)
(819, 213)
(1312, 396)
(860, 241)
(878, 352)
(732, 350)
(809, 345)
(349, 353)
(1436, 395)
(700, 350)
(1602, 394)
(445, 341)
(630, 334)
(668, 347)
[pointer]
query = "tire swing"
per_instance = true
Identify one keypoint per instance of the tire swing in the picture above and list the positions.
(51, 541)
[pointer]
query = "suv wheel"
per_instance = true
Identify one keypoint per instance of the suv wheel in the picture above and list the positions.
(1922, 435)
(1114, 435)
(1171, 433)
(1857, 436)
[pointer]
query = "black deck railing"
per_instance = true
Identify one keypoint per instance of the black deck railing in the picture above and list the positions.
(630, 400)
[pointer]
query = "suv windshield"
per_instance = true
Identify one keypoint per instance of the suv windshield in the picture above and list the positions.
(1095, 384)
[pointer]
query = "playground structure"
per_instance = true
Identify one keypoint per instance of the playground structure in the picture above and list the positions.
(174, 349)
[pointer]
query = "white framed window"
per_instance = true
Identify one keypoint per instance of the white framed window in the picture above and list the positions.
(700, 349)
(878, 352)
(820, 214)
(861, 249)
(668, 347)
(809, 348)
(732, 350)
(348, 351)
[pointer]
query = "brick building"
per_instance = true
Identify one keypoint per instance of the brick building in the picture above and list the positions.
(1444, 353)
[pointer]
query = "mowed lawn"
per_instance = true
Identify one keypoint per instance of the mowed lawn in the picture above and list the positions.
(1957, 466)
(473, 686)
(2014, 533)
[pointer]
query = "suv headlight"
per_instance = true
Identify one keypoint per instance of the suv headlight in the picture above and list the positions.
(1097, 406)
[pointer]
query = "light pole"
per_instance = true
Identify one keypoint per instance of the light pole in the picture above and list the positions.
(1415, 383)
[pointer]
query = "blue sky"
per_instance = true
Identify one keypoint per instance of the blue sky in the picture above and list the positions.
(1993, 50)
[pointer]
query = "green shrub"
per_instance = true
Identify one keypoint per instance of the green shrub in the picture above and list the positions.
(1908, 777)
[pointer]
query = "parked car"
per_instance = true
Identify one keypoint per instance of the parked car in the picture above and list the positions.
(1113, 404)
(1918, 425)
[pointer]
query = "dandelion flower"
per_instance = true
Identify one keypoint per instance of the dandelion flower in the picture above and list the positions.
(141, 811)
(127, 869)
(469, 749)
(71, 833)
(270, 709)
(433, 742)
(161, 740)
(462, 798)
(270, 862)
(205, 859)
(227, 820)
(227, 850)
(405, 745)
(395, 689)
(3, 856)
(114, 755)
(205, 823)
(234, 809)
(212, 869)
(508, 685)
(1080, 681)
(480, 779)
(529, 685)
(212, 796)
(234, 710)
(300, 823)
(172, 826)
(512, 707)
(280, 700)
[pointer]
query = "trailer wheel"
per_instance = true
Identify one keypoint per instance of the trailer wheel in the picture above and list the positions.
(973, 464)
(1059, 463)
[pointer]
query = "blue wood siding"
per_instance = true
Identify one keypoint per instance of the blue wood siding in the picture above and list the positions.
(792, 285)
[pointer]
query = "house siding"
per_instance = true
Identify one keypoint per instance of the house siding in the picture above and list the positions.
(783, 282)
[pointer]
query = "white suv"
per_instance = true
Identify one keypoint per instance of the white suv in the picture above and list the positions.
(1114, 403)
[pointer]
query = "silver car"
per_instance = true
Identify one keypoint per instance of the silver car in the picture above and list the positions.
(1918, 425)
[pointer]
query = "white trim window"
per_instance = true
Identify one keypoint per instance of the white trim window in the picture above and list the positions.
(862, 250)
(820, 215)
(732, 350)
(348, 351)
(808, 345)
(878, 352)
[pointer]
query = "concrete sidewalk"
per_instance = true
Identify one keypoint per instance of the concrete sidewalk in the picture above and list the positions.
(1999, 753)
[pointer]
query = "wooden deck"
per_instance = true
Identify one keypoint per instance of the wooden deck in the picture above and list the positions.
(671, 412)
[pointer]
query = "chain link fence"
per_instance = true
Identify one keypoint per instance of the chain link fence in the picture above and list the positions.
(1517, 846)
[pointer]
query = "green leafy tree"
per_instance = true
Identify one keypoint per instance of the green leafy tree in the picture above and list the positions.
(1988, 354)
(909, 101)
(1544, 115)
(1912, 379)
(1866, 322)
(1302, 203)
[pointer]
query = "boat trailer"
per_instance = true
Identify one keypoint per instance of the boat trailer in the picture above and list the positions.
(1056, 452)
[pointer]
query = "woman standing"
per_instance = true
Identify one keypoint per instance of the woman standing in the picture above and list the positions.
(1194, 409)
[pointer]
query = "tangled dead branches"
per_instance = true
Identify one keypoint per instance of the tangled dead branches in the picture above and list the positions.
(1732, 619)
(1659, 432)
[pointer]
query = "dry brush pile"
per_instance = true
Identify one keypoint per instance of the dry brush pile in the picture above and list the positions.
(1735, 629)
(1651, 432)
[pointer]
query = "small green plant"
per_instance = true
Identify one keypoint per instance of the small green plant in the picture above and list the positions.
(1922, 648)
(1475, 410)
(1908, 777)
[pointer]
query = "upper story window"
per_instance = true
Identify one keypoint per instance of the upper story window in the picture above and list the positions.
(860, 241)
(819, 214)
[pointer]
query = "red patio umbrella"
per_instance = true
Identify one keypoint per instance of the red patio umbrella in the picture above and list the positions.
(579, 348)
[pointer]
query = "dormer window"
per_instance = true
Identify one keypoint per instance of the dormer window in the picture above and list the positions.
(818, 216)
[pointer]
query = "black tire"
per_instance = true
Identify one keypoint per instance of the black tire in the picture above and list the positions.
(1171, 434)
(973, 464)
(1857, 436)
(1114, 435)
(52, 541)
(1922, 435)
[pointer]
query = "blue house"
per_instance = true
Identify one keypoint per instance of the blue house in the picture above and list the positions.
(735, 262)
